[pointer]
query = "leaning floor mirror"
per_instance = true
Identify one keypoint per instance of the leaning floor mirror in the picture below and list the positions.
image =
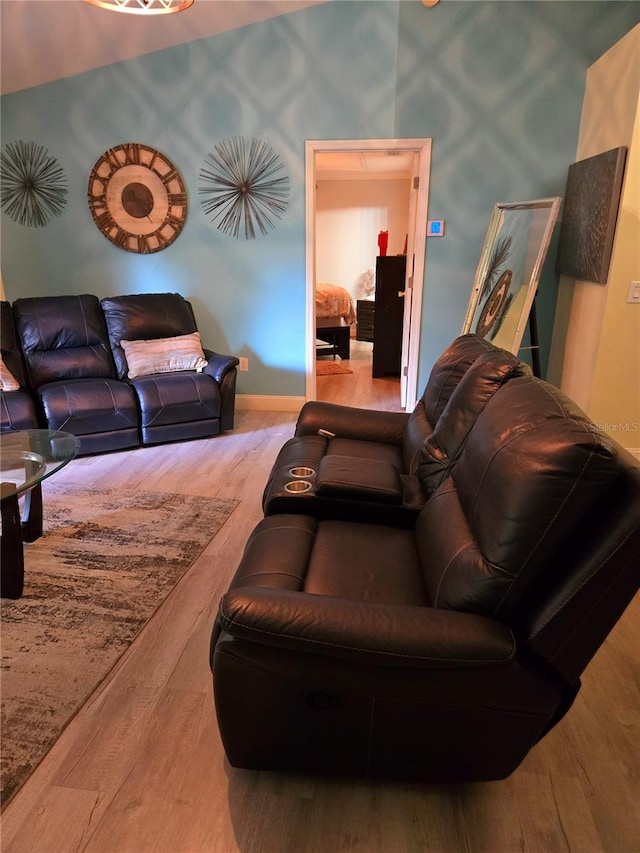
(507, 276)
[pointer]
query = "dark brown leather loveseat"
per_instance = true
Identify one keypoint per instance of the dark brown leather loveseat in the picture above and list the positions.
(443, 651)
(370, 465)
(78, 378)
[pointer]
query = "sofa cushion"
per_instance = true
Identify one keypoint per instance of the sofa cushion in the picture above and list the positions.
(176, 398)
(145, 316)
(449, 370)
(164, 355)
(445, 375)
(441, 450)
(91, 406)
(8, 382)
(360, 479)
(532, 468)
(63, 337)
(17, 411)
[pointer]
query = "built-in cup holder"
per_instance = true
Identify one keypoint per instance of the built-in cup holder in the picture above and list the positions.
(297, 487)
(302, 471)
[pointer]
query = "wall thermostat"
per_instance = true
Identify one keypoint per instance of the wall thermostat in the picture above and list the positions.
(435, 227)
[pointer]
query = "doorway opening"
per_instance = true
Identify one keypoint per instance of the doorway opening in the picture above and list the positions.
(374, 160)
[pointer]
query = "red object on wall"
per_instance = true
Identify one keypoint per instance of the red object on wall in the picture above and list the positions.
(383, 242)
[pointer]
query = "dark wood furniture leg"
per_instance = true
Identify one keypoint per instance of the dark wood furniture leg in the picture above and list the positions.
(338, 336)
(12, 568)
(343, 341)
(32, 515)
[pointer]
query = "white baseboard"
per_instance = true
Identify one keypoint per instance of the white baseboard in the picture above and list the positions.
(265, 403)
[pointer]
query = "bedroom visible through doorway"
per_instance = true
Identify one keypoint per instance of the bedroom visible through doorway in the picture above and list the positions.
(356, 189)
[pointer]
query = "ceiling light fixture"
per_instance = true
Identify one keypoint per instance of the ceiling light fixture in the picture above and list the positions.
(142, 7)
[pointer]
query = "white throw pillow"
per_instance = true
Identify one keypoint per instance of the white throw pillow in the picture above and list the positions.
(7, 379)
(164, 355)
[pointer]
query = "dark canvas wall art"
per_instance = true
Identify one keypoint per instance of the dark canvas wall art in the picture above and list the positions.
(591, 206)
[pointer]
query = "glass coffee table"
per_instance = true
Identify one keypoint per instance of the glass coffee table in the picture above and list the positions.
(27, 457)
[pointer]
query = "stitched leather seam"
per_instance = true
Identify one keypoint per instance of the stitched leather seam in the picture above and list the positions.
(84, 320)
(260, 574)
(258, 533)
(460, 550)
(232, 621)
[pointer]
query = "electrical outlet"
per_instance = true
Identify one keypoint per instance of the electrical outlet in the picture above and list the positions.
(244, 364)
(634, 292)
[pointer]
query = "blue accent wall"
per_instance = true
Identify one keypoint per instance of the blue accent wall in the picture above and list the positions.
(497, 85)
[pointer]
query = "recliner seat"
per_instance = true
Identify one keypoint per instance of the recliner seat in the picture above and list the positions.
(442, 653)
(72, 374)
(173, 406)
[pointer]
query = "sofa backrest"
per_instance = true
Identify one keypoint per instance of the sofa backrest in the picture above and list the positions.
(449, 370)
(63, 337)
(145, 317)
(445, 375)
(503, 535)
(442, 449)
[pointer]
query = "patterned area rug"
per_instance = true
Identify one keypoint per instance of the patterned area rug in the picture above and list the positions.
(331, 368)
(105, 563)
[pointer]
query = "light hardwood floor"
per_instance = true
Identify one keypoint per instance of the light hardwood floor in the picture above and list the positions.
(141, 767)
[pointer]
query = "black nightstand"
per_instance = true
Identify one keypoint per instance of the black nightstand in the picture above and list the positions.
(365, 313)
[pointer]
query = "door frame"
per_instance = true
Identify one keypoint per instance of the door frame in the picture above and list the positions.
(415, 265)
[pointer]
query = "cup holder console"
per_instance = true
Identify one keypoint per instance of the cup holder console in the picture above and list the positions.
(297, 487)
(301, 471)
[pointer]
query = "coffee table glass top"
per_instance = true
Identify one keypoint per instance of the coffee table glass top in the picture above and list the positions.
(29, 456)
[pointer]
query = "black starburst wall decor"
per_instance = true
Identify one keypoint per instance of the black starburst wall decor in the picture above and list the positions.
(244, 187)
(33, 185)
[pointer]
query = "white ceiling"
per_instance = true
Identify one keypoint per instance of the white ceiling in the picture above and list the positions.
(45, 40)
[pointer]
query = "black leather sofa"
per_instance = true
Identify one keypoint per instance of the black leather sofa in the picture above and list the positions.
(326, 469)
(443, 651)
(77, 376)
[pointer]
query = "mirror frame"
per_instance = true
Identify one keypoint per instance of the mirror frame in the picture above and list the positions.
(507, 276)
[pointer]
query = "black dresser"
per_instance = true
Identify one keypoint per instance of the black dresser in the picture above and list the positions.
(389, 314)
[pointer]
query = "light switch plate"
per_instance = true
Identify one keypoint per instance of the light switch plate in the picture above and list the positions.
(435, 227)
(634, 292)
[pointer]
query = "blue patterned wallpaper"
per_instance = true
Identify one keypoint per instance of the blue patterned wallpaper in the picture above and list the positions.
(497, 85)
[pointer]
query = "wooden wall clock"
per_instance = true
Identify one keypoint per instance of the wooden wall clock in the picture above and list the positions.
(137, 198)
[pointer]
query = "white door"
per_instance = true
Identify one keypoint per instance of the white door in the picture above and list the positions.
(409, 280)
(416, 244)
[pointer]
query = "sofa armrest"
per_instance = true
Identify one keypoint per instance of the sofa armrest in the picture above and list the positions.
(218, 365)
(348, 629)
(358, 479)
(348, 422)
